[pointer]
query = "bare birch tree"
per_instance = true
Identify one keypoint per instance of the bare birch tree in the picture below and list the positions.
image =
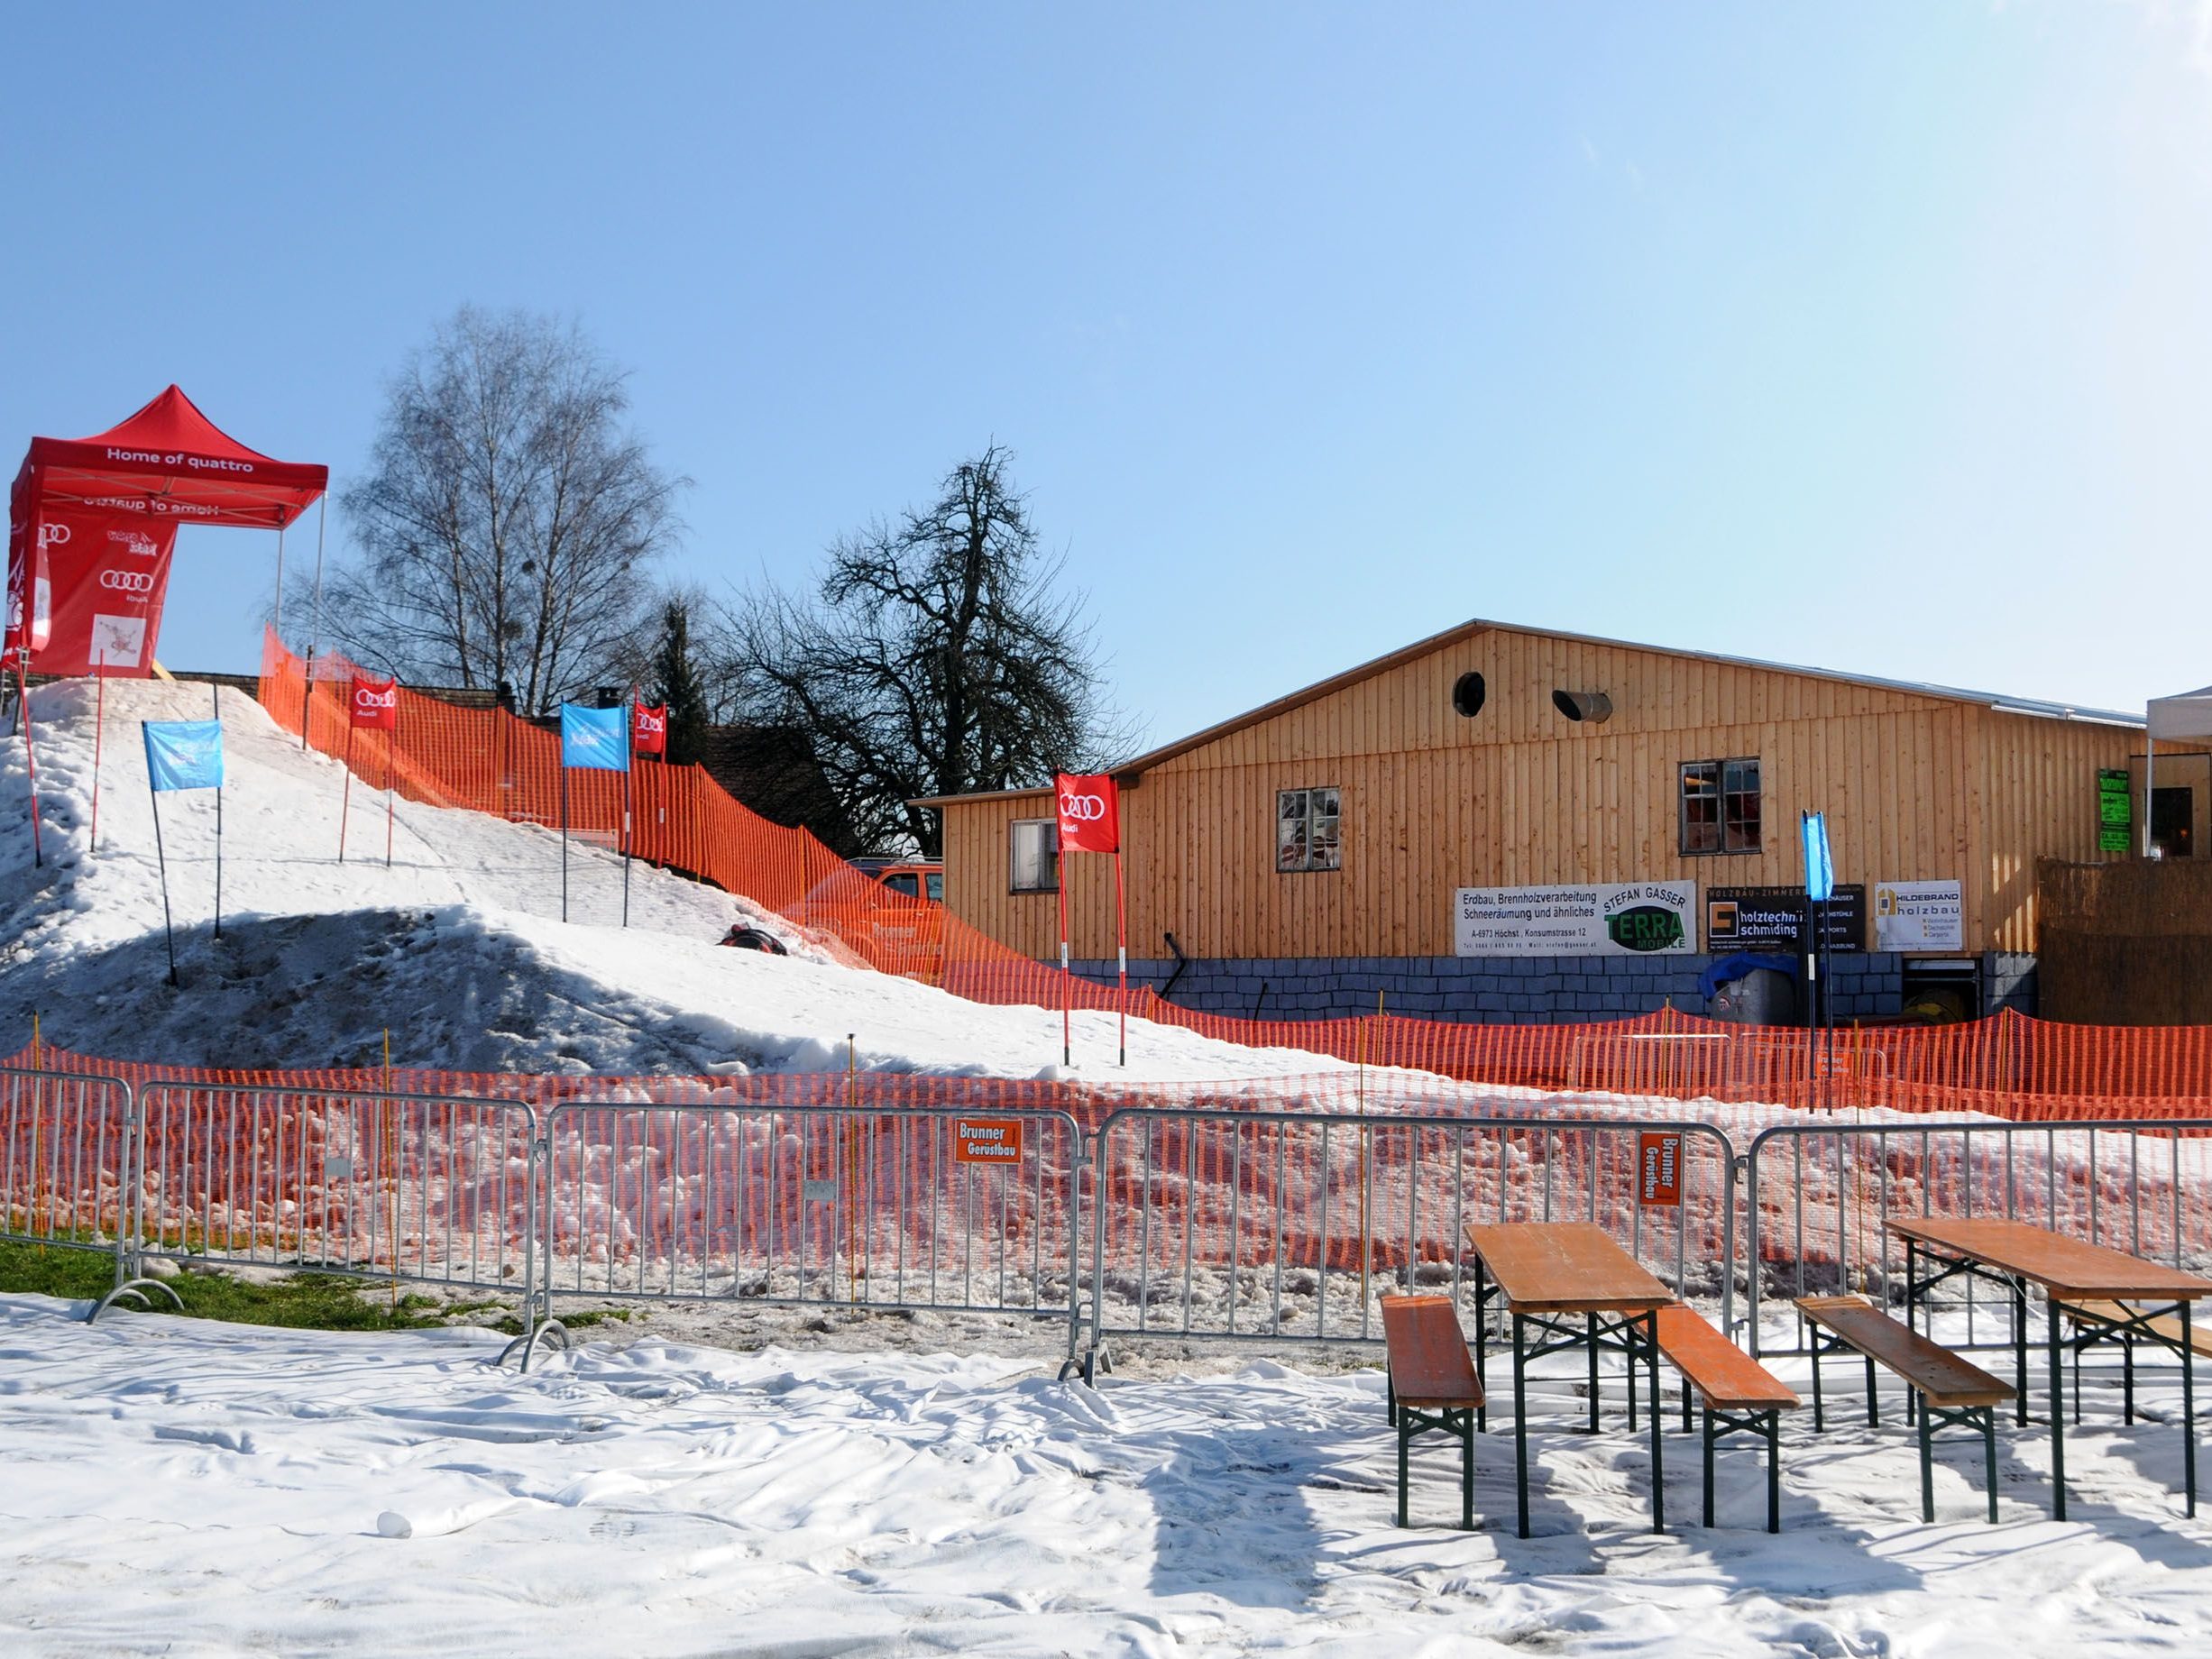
(505, 525)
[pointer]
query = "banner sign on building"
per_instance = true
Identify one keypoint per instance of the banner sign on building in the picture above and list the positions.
(1926, 915)
(2116, 813)
(1773, 918)
(1606, 919)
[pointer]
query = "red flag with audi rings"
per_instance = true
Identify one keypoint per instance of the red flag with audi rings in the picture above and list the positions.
(649, 728)
(1090, 813)
(376, 704)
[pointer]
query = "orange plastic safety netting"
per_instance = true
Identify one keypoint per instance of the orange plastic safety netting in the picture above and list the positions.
(488, 761)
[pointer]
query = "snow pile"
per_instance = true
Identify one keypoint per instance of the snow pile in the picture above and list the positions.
(456, 947)
(182, 1488)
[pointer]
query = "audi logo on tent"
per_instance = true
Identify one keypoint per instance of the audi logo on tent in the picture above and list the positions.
(1090, 809)
(127, 581)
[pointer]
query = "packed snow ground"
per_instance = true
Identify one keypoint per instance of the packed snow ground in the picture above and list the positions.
(456, 947)
(185, 1488)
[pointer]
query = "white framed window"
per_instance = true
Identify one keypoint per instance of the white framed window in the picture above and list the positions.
(1721, 806)
(1306, 829)
(1032, 855)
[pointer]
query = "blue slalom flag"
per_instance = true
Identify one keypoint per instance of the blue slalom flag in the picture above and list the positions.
(184, 754)
(1820, 868)
(595, 739)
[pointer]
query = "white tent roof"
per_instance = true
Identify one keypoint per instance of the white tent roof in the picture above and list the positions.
(2188, 715)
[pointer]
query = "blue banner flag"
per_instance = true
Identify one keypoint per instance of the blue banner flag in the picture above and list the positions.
(1820, 868)
(595, 739)
(184, 754)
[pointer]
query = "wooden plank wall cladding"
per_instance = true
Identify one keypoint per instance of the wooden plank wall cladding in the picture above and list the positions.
(1916, 787)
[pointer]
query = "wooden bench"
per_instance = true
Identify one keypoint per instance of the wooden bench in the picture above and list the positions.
(2125, 1323)
(1739, 1396)
(1432, 1384)
(1951, 1390)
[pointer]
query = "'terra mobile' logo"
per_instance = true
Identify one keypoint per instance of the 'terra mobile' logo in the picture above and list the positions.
(1083, 809)
(127, 581)
(1646, 927)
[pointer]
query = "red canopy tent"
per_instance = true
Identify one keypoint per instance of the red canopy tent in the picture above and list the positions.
(92, 524)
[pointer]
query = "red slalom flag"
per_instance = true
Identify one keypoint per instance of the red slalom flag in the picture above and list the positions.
(1090, 813)
(650, 729)
(374, 704)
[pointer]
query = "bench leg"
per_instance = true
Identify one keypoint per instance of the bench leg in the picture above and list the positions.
(1773, 1472)
(1591, 1332)
(1658, 1437)
(1989, 1456)
(1405, 1437)
(2127, 1378)
(1521, 1422)
(1927, 1469)
(1466, 1470)
(1685, 1405)
(2020, 1360)
(1390, 1398)
(2058, 1408)
(2188, 1411)
(1820, 1415)
(1709, 1445)
(1874, 1400)
(2077, 1348)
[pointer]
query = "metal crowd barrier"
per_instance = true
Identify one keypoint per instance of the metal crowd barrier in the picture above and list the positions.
(66, 1158)
(1251, 1225)
(1818, 1197)
(918, 1208)
(431, 1188)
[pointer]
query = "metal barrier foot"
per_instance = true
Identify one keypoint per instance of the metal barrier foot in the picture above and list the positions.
(1093, 1361)
(553, 1333)
(133, 1291)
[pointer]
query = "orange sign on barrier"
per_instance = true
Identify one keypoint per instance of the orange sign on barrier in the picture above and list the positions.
(987, 1140)
(1659, 1169)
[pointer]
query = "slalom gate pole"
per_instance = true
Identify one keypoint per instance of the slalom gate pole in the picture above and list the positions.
(1121, 947)
(345, 793)
(215, 694)
(99, 730)
(630, 755)
(1066, 979)
(31, 756)
(392, 758)
(168, 929)
(564, 843)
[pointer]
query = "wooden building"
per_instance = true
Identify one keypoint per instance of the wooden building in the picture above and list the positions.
(1394, 829)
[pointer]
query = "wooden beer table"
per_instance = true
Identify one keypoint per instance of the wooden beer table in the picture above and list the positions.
(2015, 1255)
(1567, 1286)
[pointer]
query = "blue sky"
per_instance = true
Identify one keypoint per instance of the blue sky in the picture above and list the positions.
(1875, 336)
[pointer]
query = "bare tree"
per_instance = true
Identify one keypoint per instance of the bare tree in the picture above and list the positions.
(507, 521)
(937, 657)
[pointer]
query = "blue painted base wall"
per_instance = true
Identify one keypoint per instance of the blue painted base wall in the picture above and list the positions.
(1528, 991)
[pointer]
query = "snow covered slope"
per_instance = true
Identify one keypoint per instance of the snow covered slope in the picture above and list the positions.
(457, 948)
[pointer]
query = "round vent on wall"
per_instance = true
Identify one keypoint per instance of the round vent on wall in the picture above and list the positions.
(1595, 707)
(1467, 694)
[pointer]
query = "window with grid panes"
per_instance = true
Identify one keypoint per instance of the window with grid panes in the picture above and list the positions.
(1721, 806)
(1306, 829)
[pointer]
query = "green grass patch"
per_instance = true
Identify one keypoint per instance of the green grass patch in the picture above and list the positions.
(306, 1300)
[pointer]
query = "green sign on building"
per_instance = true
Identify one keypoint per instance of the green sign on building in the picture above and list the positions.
(2115, 813)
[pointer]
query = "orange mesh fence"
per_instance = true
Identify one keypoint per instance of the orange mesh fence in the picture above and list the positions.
(486, 760)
